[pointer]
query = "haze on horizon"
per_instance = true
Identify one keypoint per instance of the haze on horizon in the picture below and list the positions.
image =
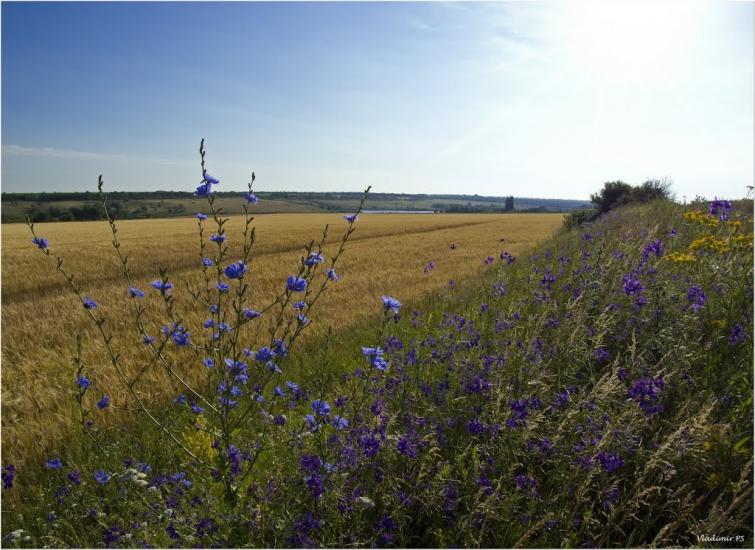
(524, 99)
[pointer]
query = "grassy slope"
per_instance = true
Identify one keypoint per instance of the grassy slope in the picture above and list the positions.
(498, 423)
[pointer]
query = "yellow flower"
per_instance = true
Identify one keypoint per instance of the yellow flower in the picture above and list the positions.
(741, 242)
(719, 323)
(701, 218)
(736, 225)
(680, 257)
(709, 242)
(714, 480)
(198, 440)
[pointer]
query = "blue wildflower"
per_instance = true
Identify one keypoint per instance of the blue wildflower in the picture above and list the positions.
(340, 423)
(8, 475)
(601, 354)
(507, 257)
(54, 464)
(172, 532)
(279, 346)
(147, 339)
(296, 284)
(406, 446)
(207, 178)
(375, 356)
(235, 270)
(207, 262)
(264, 354)
(163, 286)
(610, 461)
(89, 303)
(632, 285)
(104, 402)
(696, 297)
(548, 280)
(737, 334)
(332, 275)
(646, 392)
(41, 242)
(310, 463)
(83, 381)
(251, 198)
(203, 190)
(135, 292)
(220, 239)
(352, 218)
(521, 481)
(314, 258)
(250, 313)
(723, 205)
(180, 336)
(223, 287)
(201, 217)
(320, 407)
(653, 247)
(208, 362)
(101, 476)
(311, 422)
(390, 303)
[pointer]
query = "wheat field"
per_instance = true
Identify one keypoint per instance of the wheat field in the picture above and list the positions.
(41, 317)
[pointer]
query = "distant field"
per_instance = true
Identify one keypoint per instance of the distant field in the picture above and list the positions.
(45, 207)
(40, 316)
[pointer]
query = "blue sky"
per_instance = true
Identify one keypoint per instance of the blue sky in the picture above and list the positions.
(524, 98)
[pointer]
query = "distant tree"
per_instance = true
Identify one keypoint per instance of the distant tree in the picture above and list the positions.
(509, 206)
(652, 190)
(618, 193)
(613, 194)
(86, 212)
(40, 216)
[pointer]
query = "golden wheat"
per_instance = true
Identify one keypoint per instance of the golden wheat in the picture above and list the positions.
(40, 316)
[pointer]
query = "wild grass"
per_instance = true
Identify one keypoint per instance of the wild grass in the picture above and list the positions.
(40, 317)
(594, 392)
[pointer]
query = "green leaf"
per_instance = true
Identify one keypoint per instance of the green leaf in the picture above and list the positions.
(741, 443)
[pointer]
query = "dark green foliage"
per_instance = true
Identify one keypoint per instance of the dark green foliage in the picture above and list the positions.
(618, 193)
(612, 195)
(579, 217)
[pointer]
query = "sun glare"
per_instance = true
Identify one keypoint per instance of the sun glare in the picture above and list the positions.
(619, 42)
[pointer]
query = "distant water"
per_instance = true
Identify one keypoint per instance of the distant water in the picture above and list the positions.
(398, 212)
